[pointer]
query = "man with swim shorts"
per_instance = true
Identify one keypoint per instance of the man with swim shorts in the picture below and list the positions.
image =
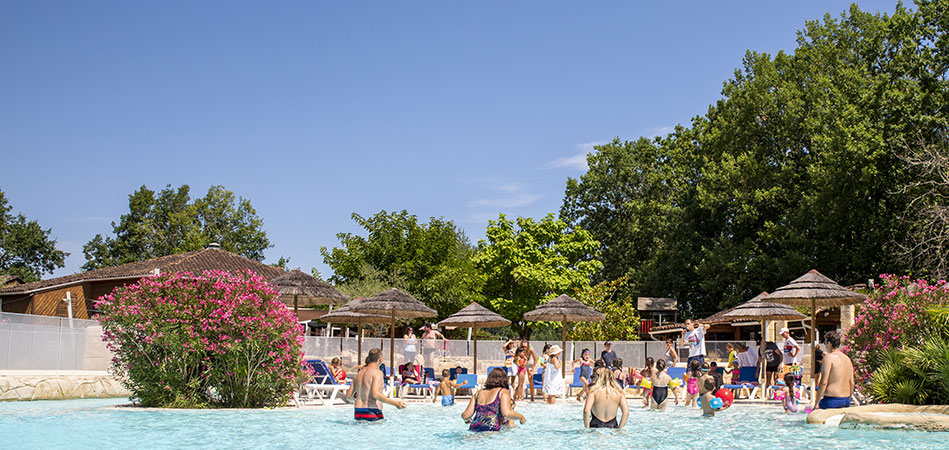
(367, 390)
(837, 379)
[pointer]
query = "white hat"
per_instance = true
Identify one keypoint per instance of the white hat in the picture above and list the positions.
(784, 330)
(555, 350)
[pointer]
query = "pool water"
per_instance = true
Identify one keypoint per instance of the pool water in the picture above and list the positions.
(96, 424)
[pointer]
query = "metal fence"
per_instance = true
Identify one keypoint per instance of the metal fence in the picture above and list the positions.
(30, 342)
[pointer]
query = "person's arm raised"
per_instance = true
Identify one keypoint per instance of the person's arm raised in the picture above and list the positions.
(378, 395)
(506, 410)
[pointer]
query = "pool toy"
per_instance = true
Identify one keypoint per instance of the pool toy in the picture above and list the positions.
(727, 397)
(676, 382)
(647, 384)
(715, 403)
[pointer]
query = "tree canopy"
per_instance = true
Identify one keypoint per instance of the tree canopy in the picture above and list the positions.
(527, 261)
(797, 167)
(26, 250)
(169, 222)
(432, 261)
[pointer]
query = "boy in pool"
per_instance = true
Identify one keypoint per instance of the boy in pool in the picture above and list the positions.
(709, 386)
(446, 389)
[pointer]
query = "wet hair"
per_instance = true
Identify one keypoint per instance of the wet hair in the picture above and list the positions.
(335, 361)
(606, 380)
(789, 381)
(618, 363)
(375, 355)
(694, 371)
(446, 373)
(598, 364)
(709, 384)
(832, 339)
(497, 379)
(660, 365)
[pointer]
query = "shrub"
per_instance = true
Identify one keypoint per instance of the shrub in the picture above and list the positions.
(215, 340)
(900, 320)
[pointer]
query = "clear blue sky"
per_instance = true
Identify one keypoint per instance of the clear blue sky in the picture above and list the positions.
(315, 110)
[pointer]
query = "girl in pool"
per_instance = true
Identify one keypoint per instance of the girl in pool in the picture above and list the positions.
(660, 386)
(553, 379)
(605, 397)
(646, 374)
(491, 408)
(692, 383)
(520, 362)
(586, 372)
(619, 373)
(790, 399)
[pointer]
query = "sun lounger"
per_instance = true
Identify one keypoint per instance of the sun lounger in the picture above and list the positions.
(322, 385)
(466, 382)
(747, 383)
(425, 389)
(576, 382)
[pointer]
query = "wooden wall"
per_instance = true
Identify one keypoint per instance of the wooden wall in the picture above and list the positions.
(50, 303)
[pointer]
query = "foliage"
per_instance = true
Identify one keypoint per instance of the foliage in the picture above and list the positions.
(528, 261)
(926, 246)
(916, 375)
(795, 168)
(431, 261)
(621, 323)
(169, 223)
(894, 317)
(216, 340)
(26, 251)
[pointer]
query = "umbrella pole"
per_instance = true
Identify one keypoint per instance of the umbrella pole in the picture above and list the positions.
(762, 361)
(359, 344)
(392, 345)
(813, 351)
(563, 364)
(475, 330)
(295, 306)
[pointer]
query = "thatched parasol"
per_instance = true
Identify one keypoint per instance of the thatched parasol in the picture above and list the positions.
(393, 304)
(759, 310)
(815, 290)
(564, 309)
(474, 316)
(345, 314)
(297, 288)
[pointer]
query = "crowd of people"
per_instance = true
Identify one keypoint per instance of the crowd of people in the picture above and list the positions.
(603, 380)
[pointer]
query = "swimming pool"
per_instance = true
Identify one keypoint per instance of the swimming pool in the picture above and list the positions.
(94, 424)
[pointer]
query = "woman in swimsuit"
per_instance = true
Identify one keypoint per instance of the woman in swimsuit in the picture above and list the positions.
(605, 397)
(411, 346)
(672, 353)
(490, 408)
(429, 334)
(646, 374)
(660, 386)
(586, 372)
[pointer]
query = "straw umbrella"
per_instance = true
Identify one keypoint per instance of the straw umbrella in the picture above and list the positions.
(815, 290)
(345, 314)
(564, 309)
(759, 310)
(474, 316)
(393, 304)
(299, 289)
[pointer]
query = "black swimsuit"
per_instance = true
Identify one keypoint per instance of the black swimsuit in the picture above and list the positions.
(597, 423)
(659, 394)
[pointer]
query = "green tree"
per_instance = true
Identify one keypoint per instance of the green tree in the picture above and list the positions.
(169, 222)
(432, 261)
(26, 251)
(527, 261)
(621, 323)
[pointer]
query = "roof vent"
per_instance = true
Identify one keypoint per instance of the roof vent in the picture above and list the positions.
(214, 245)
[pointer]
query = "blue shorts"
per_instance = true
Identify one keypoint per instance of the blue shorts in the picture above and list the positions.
(833, 402)
(448, 400)
(368, 414)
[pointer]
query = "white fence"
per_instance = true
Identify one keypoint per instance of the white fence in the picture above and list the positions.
(30, 342)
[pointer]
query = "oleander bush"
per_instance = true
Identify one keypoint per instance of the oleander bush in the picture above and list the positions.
(899, 342)
(217, 340)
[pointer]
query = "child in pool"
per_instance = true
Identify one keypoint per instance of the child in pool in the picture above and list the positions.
(618, 372)
(646, 374)
(446, 389)
(660, 386)
(790, 400)
(705, 376)
(691, 378)
(708, 385)
(586, 372)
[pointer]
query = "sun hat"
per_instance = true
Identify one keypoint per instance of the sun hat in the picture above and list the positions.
(555, 350)
(784, 330)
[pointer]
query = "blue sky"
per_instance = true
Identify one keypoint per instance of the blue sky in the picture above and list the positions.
(315, 110)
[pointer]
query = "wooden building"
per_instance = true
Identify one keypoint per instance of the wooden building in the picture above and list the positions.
(48, 297)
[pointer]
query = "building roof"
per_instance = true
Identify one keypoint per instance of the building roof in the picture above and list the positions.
(194, 262)
(9, 280)
(656, 304)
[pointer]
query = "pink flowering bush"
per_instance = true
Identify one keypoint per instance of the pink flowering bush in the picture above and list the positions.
(899, 315)
(215, 340)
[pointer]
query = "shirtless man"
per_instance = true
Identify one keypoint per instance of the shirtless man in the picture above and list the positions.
(367, 389)
(836, 380)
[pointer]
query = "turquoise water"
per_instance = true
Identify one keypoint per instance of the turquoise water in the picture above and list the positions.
(94, 424)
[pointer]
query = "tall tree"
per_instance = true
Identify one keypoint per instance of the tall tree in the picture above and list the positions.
(26, 251)
(169, 222)
(432, 261)
(527, 261)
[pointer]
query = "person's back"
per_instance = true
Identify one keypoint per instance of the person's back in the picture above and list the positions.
(490, 408)
(367, 390)
(605, 397)
(837, 378)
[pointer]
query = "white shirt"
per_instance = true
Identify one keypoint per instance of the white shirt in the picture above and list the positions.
(748, 358)
(696, 341)
(789, 345)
